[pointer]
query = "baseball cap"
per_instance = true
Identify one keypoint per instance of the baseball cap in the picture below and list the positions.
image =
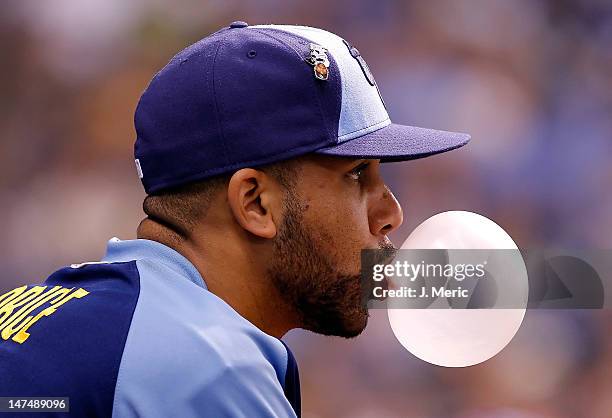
(246, 96)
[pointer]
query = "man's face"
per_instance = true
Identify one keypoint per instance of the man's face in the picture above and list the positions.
(337, 208)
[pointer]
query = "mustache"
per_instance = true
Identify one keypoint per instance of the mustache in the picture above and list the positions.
(386, 244)
(386, 252)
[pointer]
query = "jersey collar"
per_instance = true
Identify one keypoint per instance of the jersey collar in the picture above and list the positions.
(138, 249)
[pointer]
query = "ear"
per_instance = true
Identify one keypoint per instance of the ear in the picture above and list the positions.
(254, 199)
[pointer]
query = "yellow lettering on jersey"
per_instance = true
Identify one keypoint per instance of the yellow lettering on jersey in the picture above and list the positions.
(79, 293)
(23, 334)
(16, 323)
(11, 325)
(7, 309)
(10, 295)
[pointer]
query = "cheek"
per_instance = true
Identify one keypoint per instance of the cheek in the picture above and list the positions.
(351, 216)
(339, 210)
(340, 225)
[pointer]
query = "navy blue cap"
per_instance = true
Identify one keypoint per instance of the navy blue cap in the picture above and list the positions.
(251, 95)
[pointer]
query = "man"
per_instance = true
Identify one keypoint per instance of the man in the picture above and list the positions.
(259, 148)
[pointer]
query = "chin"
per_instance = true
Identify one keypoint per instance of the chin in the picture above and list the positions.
(356, 327)
(341, 326)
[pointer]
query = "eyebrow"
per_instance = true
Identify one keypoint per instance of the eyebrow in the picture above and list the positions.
(353, 163)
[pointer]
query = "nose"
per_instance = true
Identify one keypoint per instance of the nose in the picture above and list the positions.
(385, 214)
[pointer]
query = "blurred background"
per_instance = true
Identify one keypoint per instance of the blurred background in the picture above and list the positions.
(531, 80)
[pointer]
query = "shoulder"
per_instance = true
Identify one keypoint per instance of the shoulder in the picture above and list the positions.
(183, 323)
(139, 339)
(69, 300)
(193, 350)
(66, 335)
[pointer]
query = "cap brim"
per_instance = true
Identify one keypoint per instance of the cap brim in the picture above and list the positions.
(398, 143)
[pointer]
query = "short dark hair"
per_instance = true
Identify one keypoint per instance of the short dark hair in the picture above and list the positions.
(179, 209)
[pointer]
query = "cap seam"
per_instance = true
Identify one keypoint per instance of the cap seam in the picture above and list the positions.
(217, 111)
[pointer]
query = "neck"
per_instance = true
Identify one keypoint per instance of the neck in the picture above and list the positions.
(233, 272)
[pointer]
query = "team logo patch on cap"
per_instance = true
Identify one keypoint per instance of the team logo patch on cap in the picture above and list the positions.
(318, 59)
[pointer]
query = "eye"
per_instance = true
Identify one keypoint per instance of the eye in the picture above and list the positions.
(358, 172)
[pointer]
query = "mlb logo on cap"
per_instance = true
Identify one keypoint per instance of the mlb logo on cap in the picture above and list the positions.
(246, 96)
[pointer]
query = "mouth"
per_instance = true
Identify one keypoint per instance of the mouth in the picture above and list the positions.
(383, 254)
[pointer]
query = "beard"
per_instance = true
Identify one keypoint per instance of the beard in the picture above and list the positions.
(327, 301)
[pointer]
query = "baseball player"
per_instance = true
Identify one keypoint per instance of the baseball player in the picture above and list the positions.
(259, 148)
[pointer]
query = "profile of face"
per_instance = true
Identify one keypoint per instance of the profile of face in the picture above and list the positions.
(338, 207)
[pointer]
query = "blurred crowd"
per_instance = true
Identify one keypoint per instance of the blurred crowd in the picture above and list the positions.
(531, 80)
